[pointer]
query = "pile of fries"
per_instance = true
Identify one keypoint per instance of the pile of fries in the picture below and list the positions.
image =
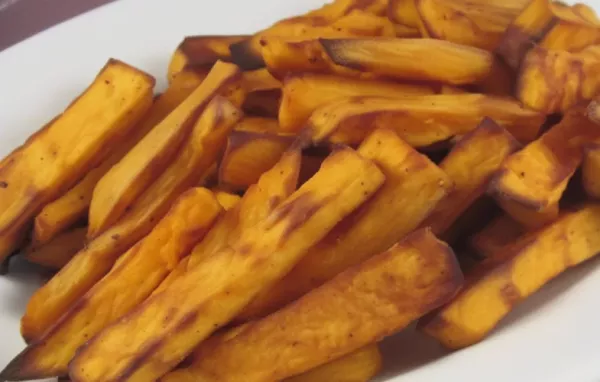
(299, 194)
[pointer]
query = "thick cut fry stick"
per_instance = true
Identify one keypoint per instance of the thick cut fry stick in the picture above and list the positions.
(200, 53)
(404, 12)
(479, 23)
(358, 307)
(249, 154)
(303, 94)
(56, 253)
(120, 187)
(136, 275)
(531, 182)
(73, 206)
(93, 262)
(421, 120)
(57, 156)
(258, 202)
(412, 59)
(492, 294)
(470, 166)
(413, 188)
(214, 291)
(360, 366)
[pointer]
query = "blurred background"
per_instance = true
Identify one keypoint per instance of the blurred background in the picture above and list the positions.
(20, 19)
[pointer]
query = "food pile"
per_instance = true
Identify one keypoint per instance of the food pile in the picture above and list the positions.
(296, 195)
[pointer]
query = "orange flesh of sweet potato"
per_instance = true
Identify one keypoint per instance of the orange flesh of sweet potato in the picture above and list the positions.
(200, 53)
(93, 262)
(249, 154)
(73, 205)
(226, 199)
(490, 296)
(413, 188)
(260, 79)
(358, 307)
(553, 81)
(57, 156)
(56, 253)
(421, 120)
(258, 202)
(359, 366)
(404, 12)
(531, 182)
(403, 59)
(470, 166)
(500, 232)
(136, 275)
(304, 93)
(172, 323)
(591, 170)
(550, 24)
(127, 180)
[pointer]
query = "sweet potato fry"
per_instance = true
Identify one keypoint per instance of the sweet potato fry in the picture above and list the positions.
(125, 181)
(498, 233)
(470, 166)
(550, 24)
(93, 262)
(200, 53)
(52, 160)
(413, 188)
(421, 120)
(412, 59)
(358, 307)
(260, 79)
(304, 93)
(248, 155)
(263, 103)
(489, 296)
(406, 31)
(258, 125)
(360, 366)
(170, 325)
(248, 54)
(56, 253)
(136, 275)
(73, 206)
(404, 12)
(591, 170)
(531, 182)
(258, 202)
(479, 23)
(553, 81)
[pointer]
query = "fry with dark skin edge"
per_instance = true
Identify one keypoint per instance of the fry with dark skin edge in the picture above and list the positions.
(56, 253)
(421, 120)
(413, 188)
(200, 53)
(358, 307)
(490, 295)
(404, 59)
(550, 25)
(175, 321)
(498, 233)
(129, 178)
(263, 103)
(53, 159)
(470, 166)
(591, 170)
(302, 94)
(475, 23)
(359, 366)
(553, 81)
(195, 158)
(530, 183)
(248, 155)
(73, 206)
(137, 273)
(273, 187)
(248, 54)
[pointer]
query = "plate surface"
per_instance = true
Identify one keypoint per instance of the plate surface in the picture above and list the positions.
(554, 336)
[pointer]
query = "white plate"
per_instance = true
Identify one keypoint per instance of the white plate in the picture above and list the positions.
(554, 336)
